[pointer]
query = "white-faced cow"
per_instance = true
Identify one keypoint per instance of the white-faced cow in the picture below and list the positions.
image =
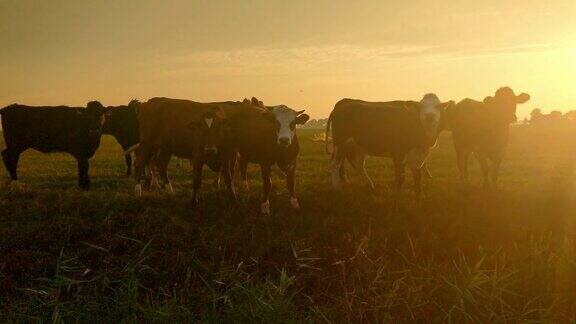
(267, 136)
(52, 129)
(402, 130)
(483, 128)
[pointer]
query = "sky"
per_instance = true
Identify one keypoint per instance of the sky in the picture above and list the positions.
(305, 54)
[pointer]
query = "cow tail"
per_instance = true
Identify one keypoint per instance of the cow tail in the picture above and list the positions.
(132, 149)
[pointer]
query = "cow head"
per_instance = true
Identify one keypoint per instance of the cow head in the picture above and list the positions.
(285, 120)
(121, 121)
(504, 103)
(93, 118)
(210, 131)
(431, 114)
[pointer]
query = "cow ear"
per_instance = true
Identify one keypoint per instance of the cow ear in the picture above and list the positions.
(301, 119)
(94, 105)
(448, 105)
(489, 100)
(522, 98)
(133, 102)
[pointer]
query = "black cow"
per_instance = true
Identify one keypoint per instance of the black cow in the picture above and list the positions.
(122, 123)
(52, 129)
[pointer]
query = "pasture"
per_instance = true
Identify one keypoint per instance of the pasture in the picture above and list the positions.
(462, 254)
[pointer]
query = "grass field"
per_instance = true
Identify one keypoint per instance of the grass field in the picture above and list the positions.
(460, 255)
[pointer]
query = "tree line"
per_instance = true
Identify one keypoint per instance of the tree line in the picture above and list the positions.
(537, 117)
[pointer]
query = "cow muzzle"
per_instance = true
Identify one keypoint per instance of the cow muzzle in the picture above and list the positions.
(94, 133)
(283, 141)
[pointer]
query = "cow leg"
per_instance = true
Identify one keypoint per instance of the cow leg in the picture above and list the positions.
(348, 154)
(485, 170)
(10, 159)
(217, 179)
(417, 175)
(342, 171)
(243, 166)
(197, 178)
(162, 161)
(497, 162)
(143, 161)
(267, 186)
(290, 181)
(360, 166)
(425, 171)
(462, 159)
(128, 159)
(228, 171)
(83, 178)
(337, 163)
(152, 179)
(399, 169)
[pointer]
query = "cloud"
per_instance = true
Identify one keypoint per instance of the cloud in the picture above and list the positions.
(316, 60)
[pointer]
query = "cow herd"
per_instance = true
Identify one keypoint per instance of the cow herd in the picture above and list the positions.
(227, 136)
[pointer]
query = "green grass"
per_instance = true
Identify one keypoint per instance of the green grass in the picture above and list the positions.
(461, 255)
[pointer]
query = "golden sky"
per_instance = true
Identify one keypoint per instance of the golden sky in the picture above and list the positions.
(306, 54)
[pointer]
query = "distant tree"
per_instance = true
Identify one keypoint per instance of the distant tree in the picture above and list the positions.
(555, 116)
(570, 115)
(536, 115)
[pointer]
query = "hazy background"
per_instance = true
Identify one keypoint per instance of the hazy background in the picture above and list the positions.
(307, 54)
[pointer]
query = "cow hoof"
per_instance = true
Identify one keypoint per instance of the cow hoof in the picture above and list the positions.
(265, 208)
(169, 189)
(294, 202)
(138, 190)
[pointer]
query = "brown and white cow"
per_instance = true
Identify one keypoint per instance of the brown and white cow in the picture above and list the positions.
(483, 128)
(402, 130)
(267, 136)
(183, 128)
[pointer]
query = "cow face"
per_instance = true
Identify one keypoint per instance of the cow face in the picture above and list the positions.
(211, 130)
(121, 120)
(505, 102)
(93, 118)
(431, 111)
(286, 120)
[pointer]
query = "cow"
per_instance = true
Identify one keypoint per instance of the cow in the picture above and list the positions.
(72, 130)
(183, 128)
(402, 130)
(266, 135)
(483, 128)
(121, 122)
